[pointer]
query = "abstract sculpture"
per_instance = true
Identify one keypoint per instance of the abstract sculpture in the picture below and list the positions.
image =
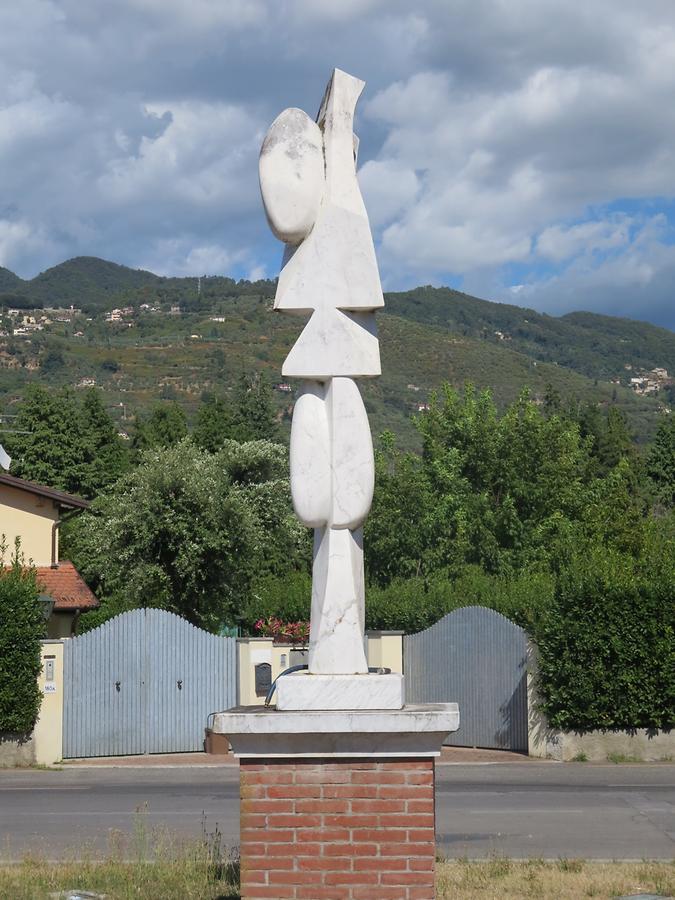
(329, 272)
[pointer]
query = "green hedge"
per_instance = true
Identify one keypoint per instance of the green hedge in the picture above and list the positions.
(410, 604)
(414, 604)
(607, 643)
(21, 629)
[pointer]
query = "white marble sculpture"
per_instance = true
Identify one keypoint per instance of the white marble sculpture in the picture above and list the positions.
(329, 273)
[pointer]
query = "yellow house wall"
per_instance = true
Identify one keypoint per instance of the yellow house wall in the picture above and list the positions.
(259, 650)
(385, 649)
(30, 518)
(48, 732)
(251, 652)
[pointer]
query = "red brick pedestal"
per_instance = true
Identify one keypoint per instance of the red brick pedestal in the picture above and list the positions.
(337, 804)
(323, 829)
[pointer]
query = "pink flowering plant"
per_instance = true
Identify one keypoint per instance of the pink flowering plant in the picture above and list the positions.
(283, 632)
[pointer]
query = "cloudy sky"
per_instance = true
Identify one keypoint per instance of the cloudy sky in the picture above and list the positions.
(521, 150)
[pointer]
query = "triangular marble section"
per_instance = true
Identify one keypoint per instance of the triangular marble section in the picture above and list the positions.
(334, 267)
(334, 343)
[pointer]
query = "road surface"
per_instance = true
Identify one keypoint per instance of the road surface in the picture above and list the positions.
(521, 810)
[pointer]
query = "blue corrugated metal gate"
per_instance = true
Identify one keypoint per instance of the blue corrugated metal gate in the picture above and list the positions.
(144, 682)
(478, 658)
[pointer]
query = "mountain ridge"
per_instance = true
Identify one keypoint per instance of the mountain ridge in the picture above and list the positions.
(178, 337)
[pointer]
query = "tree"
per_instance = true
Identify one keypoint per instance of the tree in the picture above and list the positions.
(552, 401)
(214, 423)
(661, 461)
(21, 629)
(182, 533)
(67, 442)
(253, 417)
(163, 427)
(105, 457)
(399, 531)
(615, 442)
(52, 361)
(503, 487)
(249, 416)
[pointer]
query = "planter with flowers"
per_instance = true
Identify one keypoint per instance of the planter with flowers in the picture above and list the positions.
(294, 635)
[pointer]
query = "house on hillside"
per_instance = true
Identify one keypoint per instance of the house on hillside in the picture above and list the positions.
(33, 513)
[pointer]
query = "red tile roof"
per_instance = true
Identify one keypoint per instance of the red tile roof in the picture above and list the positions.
(66, 586)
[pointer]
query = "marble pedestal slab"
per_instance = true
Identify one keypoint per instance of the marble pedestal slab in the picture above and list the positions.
(305, 691)
(416, 730)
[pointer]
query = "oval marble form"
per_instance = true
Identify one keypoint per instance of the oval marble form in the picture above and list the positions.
(353, 466)
(292, 179)
(310, 457)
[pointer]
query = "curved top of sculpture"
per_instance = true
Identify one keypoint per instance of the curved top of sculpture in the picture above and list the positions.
(313, 203)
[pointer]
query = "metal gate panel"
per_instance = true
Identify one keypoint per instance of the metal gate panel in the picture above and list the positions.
(144, 682)
(191, 674)
(102, 711)
(477, 658)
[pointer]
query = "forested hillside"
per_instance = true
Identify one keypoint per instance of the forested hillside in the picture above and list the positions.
(594, 345)
(142, 338)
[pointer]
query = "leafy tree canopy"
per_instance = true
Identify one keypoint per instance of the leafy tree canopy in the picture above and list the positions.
(248, 416)
(188, 531)
(69, 442)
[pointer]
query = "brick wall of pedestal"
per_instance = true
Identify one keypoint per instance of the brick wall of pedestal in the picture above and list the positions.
(326, 829)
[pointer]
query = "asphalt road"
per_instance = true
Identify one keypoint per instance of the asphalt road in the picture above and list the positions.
(520, 810)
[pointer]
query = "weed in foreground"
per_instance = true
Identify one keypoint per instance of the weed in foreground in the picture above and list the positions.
(570, 865)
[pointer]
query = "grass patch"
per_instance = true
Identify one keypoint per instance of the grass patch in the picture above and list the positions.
(568, 879)
(153, 865)
(617, 758)
(157, 866)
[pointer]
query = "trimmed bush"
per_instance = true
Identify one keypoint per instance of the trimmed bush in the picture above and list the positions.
(21, 629)
(414, 604)
(607, 643)
(409, 604)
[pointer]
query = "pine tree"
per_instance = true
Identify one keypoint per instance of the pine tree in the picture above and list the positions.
(165, 426)
(253, 417)
(214, 423)
(661, 461)
(66, 442)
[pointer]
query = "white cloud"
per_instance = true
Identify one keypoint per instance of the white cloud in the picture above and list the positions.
(560, 242)
(257, 273)
(180, 256)
(637, 283)
(499, 167)
(528, 134)
(198, 159)
(388, 190)
(20, 242)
